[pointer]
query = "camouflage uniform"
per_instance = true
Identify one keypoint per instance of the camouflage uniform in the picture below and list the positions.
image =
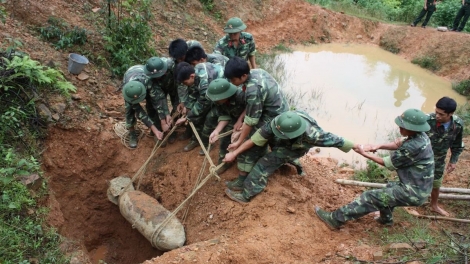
(287, 150)
(442, 140)
(414, 163)
(136, 73)
(200, 106)
(246, 46)
(229, 111)
(264, 101)
(216, 58)
(159, 89)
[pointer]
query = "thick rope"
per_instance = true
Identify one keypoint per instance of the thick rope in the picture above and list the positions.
(122, 132)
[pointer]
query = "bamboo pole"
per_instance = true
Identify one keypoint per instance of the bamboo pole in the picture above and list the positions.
(441, 196)
(415, 213)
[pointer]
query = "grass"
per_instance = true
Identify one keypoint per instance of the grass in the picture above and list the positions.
(463, 112)
(427, 62)
(441, 246)
(462, 87)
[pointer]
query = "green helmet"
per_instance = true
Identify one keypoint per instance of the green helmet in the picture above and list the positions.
(220, 89)
(288, 125)
(413, 120)
(155, 67)
(134, 92)
(193, 43)
(234, 25)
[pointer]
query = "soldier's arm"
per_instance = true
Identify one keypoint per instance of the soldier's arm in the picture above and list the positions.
(183, 94)
(402, 157)
(202, 103)
(251, 54)
(142, 115)
(159, 102)
(326, 139)
(456, 148)
(218, 47)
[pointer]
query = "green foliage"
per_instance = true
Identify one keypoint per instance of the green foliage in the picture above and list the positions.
(24, 235)
(3, 12)
(373, 173)
(62, 35)
(463, 112)
(446, 12)
(207, 4)
(282, 48)
(427, 62)
(462, 87)
(127, 39)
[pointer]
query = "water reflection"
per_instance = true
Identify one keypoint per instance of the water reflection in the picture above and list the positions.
(356, 90)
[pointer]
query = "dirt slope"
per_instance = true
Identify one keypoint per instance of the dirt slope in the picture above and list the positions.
(83, 153)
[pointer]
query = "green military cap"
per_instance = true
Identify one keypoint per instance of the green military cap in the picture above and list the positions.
(220, 89)
(134, 92)
(155, 67)
(234, 25)
(288, 125)
(413, 120)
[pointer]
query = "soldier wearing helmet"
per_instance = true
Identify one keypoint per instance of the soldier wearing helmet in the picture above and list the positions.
(229, 108)
(290, 135)
(161, 84)
(236, 42)
(413, 160)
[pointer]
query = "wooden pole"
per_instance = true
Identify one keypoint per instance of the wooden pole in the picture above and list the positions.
(441, 196)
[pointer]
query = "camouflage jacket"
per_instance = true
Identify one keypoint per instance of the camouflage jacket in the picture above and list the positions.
(414, 163)
(197, 102)
(233, 108)
(246, 46)
(136, 73)
(159, 88)
(442, 140)
(313, 136)
(216, 58)
(264, 98)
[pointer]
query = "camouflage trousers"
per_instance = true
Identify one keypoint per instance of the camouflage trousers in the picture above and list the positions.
(225, 141)
(257, 179)
(439, 167)
(204, 127)
(383, 200)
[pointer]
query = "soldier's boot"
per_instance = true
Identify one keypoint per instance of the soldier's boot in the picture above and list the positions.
(237, 197)
(192, 144)
(237, 184)
(132, 139)
(384, 219)
(186, 134)
(224, 167)
(327, 218)
(298, 167)
(201, 152)
(172, 137)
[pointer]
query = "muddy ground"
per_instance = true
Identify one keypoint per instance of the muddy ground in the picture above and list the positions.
(82, 152)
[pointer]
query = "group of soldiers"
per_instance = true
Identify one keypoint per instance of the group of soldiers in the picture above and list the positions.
(429, 8)
(225, 91)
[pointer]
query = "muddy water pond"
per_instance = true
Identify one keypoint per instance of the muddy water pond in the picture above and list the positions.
(356, 91)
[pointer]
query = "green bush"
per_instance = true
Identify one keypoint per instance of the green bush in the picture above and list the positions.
(446, 12)
(63, 36)
(462, 87)
(427, 62)
(373, 173)
(127, 39)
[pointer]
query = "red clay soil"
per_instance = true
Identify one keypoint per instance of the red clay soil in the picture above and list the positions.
(82, 152)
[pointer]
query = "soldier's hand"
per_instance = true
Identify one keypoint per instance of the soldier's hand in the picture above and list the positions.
(214, 137)
(169, 120)
(157, 133)
(180, 108)
(229, 157)
(370, 148)
(233, 146)
(238, 125)
(180, 121)
(235, 136)
(359, 148)
(164, 125)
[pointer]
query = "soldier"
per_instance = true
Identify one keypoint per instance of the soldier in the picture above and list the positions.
(290, 135)
(446, 132)
(229, 106)
(264, 101)
(197, 55)
(161, 84)
(196, 80)
(464, 12)
(236, 42)
(428, 10)
(177, 51)
(413, 160)
(134, 92)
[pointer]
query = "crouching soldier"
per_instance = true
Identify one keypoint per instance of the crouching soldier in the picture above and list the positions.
(290, 135)
(413, 159)
(135, 92)
(229, 107)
